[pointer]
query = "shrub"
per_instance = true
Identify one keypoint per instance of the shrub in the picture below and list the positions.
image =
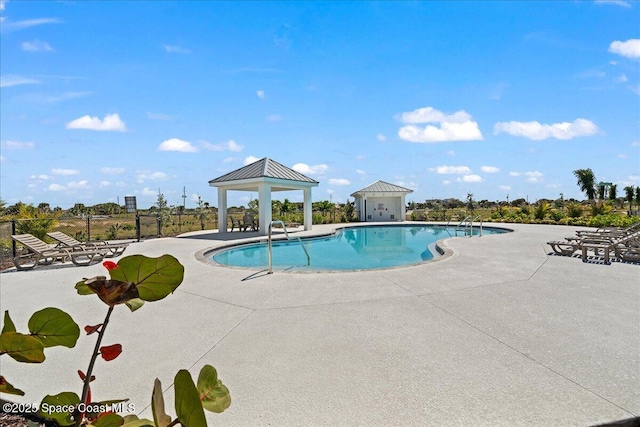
(574, 210)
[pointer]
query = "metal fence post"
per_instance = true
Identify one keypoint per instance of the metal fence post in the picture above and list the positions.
(138, 227)
(159, 219)
(88, 228)
(13, 242)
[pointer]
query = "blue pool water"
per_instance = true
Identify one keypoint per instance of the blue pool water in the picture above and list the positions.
(356, 248)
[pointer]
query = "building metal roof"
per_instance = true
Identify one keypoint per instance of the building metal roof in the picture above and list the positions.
(263, 168)
(383, 187)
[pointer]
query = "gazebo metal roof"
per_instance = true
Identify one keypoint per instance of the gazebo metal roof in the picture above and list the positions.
(382, 187)
(263, 168)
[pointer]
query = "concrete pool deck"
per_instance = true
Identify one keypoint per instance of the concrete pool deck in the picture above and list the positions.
(498, 333)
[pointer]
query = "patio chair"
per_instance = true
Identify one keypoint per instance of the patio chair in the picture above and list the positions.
(609, 231)
(249, 222)
(237, 223)
(599, 244)
(66, 241)
(36, 252)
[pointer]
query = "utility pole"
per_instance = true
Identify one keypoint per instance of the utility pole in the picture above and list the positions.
(184, 197)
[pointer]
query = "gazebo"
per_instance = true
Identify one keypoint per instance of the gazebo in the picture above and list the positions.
(264, 176)
(381, 201)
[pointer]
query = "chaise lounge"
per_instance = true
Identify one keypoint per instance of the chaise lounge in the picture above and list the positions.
(36, 252)
(66, 241)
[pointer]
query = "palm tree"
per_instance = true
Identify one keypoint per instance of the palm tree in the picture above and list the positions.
(628, 190)
(586, 182)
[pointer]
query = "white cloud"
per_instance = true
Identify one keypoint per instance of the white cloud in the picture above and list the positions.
(176, 49)
(65, 172)
(622, 3)
(534, 176)
(16, 80)
(453, 127)
(19, 25)
(537, 131)
(623, 156)
(339, 181)
(250, 159)
(470, 178)
(142, 176)
(446, 170)
(380, 137)
(446, 182)
(148, 192)
(260, 94)
(56, 187)
(36, 46)
(514, 174)
(635, 144)
(489, 169)
(109, 170)
(18, 145)
(41, 176)
(451, 153)
(78, 184)
(111, 122)
(274, 118)
(175, 144)
(305, 169)
(504, 187)
(622, 79)
(629, 48)
(104, 184)
(230, 145)
(360, 172)
(121, 184)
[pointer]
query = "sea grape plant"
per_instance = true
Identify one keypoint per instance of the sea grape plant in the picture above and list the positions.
(133, 281)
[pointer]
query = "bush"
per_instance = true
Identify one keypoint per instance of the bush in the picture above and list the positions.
(611, 220)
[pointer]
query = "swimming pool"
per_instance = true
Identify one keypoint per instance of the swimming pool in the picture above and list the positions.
(353, 248)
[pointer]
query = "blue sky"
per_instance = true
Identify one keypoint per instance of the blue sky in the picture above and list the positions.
(100, 100)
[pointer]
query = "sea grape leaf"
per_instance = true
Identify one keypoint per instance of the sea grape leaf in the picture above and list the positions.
(6, 387)
(134, 304)
(53, 327)
(133, 421)
(111, 291)
(21, 347)
(66, 399)
(8, 323)
(107, 420)
(214, 395)
(160, 417)
(154, 278)
(188, 406)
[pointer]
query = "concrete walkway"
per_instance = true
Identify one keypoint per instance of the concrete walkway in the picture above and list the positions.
(499, 333)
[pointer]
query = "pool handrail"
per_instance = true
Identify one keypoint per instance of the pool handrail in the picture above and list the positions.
(284, 227)
(480, 235)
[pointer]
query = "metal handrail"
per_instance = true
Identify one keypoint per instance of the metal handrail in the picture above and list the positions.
(480, 224)
(288, 238)
(465, 227)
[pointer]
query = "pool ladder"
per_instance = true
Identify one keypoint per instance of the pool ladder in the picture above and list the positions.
(288, 238)
(468, 224)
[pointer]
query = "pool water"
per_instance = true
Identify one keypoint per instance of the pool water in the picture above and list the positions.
(356, 248)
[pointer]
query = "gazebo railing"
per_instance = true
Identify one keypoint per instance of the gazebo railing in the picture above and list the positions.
(288, 238)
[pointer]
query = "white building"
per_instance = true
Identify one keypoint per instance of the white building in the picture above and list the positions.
(381, 201)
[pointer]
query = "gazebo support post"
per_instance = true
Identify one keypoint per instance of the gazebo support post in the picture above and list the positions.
(307, 209)
(264, 207)
(222, 210)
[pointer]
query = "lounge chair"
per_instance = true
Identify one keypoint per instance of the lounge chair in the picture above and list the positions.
(609, 231)
(249, 222)
(66, 241)
(237, 223)
(599, 244)
(36, 252)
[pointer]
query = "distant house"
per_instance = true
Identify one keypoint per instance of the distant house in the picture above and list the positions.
(381, 201)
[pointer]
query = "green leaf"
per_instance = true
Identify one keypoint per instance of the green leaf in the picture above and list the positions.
(8, 323)
(54, 327)
(155, 278)
(134, 304)
(83, 289)
(188, 406)
(21, 347)
(160, 417)
(6, 387)
(135, 422)
(54, 406)
(214, 395)
(108, 420)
